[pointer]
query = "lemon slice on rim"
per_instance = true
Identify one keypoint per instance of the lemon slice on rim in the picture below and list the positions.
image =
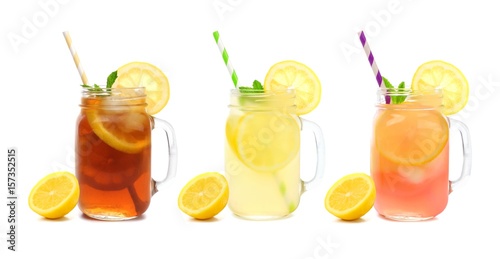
(55, 195)
(290, 74)
(443, 75)
(142, 74)
(204, 196)
(351, 197)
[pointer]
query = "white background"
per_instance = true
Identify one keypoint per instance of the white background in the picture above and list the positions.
(40, 97)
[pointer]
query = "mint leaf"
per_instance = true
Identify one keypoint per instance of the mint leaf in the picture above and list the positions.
(246, 89)
(401, 87)
(257, 85)
(283, 188)
(111, 79)
(387, 84)
(256, 88)
(395, 97)
(109, 83)
(94, 88)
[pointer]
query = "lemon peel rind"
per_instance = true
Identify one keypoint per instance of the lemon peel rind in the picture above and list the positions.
(110, 139)
(286, 79)
(427, 69)
(215, 206)
(157, 74)
(68, 203)
(361, 208)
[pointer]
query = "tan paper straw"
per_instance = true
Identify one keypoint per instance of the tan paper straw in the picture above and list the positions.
(75, 57)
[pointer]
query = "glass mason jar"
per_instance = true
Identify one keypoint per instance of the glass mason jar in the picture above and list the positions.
(410, 154)
(262, 154)
(113, 153)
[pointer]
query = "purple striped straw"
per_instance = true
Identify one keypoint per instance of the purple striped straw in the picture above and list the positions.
(373, 64)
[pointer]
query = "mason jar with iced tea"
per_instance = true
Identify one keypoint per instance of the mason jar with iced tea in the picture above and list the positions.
(113, 153)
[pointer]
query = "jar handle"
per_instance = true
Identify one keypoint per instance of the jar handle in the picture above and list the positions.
(320, 154)
(172, 152)
(467, 152)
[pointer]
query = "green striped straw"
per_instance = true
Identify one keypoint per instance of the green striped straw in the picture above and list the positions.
(225, 57)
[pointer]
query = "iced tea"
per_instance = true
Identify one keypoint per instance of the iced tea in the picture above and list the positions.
(113, 154)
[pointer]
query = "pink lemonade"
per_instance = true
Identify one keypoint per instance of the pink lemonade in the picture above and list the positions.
(409, 161)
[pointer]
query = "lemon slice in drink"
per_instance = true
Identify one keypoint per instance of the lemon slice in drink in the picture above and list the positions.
(142, 74)
(204, 196)
(267, 141)
(55, 195)
(410, 137)
(439, 74)
(124, 130)
(290, 74)
(351, 197)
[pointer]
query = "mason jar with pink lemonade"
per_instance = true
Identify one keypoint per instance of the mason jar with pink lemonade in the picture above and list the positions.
(410, 154)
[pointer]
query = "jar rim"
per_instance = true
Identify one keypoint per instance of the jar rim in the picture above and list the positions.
(259, 100)
(251, 91)
(408, 91)
(394, 98)
(123, 92)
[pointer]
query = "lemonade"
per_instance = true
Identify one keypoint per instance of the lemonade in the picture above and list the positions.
(262, 146)
(409, 159)
(410, 141)
(262, 154)
(410, 147)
